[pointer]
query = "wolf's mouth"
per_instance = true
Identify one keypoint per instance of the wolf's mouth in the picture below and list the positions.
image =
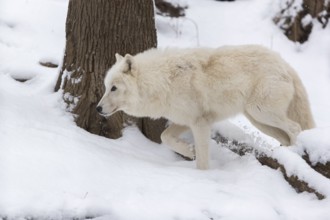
(106, 115)
(114, 111)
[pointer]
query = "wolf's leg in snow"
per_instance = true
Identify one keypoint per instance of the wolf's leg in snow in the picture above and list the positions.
(276, 133)
(276, 118)
(202, 133)
(170, 137)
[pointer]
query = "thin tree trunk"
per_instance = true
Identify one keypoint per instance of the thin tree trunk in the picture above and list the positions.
(298, 26)
(95, 31)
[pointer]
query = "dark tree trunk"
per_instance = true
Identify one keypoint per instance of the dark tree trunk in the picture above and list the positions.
(95, 31)
(298, 28)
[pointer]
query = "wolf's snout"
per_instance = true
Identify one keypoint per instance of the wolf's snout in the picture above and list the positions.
(99, 109)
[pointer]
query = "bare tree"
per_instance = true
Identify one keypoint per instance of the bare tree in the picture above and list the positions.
(295, 18)
(95, 31)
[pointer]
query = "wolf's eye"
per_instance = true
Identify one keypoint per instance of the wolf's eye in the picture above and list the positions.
(113, 88)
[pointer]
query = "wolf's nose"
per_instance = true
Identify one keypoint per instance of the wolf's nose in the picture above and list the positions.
(99, 109)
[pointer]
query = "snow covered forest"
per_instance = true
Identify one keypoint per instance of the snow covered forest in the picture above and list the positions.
(51, 168)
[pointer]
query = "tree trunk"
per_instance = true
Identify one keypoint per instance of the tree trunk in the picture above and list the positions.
(95, 31)
(296, 20)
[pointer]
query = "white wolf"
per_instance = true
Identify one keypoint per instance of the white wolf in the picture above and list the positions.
(194, 88)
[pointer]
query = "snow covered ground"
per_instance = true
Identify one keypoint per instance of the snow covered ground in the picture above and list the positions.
(51, 169)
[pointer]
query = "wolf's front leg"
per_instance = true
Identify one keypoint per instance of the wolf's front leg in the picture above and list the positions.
(170, 137)
(202, 133)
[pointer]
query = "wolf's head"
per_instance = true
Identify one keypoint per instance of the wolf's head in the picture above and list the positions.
(119, 86)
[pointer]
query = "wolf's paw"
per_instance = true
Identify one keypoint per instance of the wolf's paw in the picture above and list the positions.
(188, 153)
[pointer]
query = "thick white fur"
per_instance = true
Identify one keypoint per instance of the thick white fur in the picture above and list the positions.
(194, 88)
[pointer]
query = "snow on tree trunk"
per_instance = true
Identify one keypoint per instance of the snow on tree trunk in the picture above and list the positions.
(301, 180)
(95, 31)
(296, 17)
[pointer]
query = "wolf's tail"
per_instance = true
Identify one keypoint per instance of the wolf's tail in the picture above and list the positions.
(299, 108)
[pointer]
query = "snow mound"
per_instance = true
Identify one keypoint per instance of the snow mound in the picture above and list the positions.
(316, 143)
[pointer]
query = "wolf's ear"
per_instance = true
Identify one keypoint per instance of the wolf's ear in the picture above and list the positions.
(129, 63)
(118, 57)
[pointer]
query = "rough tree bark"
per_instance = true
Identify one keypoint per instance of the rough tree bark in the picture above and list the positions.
(295, 19)
(95, 31)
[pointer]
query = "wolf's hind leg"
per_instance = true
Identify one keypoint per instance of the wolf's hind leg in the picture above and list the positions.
(170, 137)
(277, 118)
(276, 133)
